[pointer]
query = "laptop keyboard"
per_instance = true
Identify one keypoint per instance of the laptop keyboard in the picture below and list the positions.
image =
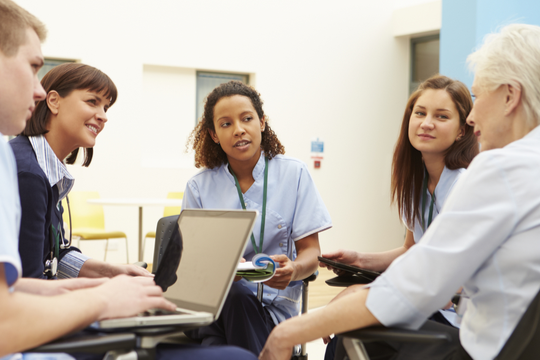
(159, 312)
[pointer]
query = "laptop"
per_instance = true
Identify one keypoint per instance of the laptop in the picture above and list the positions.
(213, 244)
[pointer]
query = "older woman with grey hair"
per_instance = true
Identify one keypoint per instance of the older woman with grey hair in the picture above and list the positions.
(485, 238)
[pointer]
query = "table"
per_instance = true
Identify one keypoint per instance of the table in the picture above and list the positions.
(140, 203)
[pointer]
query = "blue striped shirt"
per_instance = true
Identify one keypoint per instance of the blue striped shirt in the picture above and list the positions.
(58, 174)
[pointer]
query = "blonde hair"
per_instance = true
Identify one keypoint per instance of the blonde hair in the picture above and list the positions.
(511, 57)
(14, 21)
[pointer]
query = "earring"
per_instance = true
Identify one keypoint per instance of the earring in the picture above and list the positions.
(458, 138)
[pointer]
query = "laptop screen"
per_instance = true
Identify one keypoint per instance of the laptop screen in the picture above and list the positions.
(213, 244)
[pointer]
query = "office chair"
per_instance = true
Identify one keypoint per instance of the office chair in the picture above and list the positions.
(167, 211)
(522, 344)
(165, 230)
(88, 221)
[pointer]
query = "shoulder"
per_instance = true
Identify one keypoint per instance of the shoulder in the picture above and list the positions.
(206, 173)
(207, 177)
(25, 155)
(517, 165)
(7, 159)
(287, 163)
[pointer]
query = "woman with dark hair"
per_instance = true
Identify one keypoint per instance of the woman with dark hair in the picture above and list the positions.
(434, 148)
(71, 117)
(245, 168)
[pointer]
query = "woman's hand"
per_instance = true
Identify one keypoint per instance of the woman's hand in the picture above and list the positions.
(284, 273)
(348, 257)
(129, 269)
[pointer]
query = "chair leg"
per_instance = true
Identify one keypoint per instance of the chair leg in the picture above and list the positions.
(106, 249)
(305, 292)
(127, 252)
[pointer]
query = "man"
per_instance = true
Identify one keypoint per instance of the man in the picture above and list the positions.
(32, 311)
(24, 300)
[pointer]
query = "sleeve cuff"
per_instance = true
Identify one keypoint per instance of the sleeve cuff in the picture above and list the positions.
(71, 264)
(391, 308)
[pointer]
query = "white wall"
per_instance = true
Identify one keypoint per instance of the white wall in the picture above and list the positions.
(325, 69)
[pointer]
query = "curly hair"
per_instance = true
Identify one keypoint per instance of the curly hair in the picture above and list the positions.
(209, 154)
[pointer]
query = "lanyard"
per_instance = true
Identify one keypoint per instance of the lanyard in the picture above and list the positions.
(261, 239)
(424, 196)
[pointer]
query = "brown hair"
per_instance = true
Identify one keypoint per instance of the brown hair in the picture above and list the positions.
(14, 21)
(207, 152)
(407, 164)
(64, 79)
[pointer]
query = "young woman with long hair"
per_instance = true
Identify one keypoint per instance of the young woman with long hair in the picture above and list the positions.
(434, 148)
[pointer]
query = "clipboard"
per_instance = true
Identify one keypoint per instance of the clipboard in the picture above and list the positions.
(353, 274)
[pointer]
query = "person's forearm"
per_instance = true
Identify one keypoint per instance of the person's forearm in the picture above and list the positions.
(93, 268)
(41, 319)
(346, 313)
(306, 263)
(379, 261)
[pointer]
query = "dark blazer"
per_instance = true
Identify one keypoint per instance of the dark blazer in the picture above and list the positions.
(40, 210)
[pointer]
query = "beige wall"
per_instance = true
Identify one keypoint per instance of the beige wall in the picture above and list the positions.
(326, 69)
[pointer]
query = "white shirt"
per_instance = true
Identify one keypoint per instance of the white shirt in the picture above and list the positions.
(487, 237)
(445, 185)
(10, 214)
(54, 169)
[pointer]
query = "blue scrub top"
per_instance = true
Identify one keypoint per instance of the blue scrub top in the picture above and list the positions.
(445, 185)
(294, 211)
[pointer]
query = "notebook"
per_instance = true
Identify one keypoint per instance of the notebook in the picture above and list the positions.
(213, 244)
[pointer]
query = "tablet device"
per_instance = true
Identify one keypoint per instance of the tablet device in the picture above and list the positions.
(370, 274)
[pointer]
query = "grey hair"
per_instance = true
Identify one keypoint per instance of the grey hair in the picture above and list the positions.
(511, 57)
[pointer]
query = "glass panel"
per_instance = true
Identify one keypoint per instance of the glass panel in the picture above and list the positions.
(48, 65)
(206, 82)
(426, 60)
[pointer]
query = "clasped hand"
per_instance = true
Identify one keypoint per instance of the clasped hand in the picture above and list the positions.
(285, 273)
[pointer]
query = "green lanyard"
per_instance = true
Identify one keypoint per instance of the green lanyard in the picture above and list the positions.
(424, 196)
(261, 239)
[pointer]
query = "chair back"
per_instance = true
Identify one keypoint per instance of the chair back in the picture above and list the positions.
(523, 344)
(83, 214)
(164, 233)
(173, 210)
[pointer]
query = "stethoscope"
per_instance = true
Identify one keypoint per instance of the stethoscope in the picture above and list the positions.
(57, 242)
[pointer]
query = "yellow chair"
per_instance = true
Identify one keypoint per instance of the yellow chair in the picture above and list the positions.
(88, 221)
(168, 211)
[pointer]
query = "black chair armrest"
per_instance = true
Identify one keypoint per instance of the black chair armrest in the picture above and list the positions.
(89, 343)
(312, 277)
(380, 333)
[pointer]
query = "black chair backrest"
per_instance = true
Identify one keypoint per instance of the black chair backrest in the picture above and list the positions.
(167, 251)
(524, 342)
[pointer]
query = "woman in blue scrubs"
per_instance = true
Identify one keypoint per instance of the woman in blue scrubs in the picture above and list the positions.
(244, 167)
(434, 148)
